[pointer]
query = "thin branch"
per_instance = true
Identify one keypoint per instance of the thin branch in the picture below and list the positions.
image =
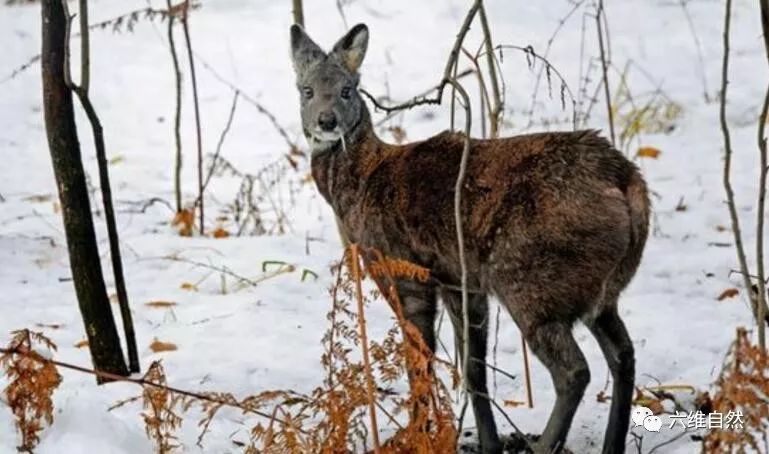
(191, 58)
(447, 71)
(497, 108)
(178, 110)
(107, 376)
(219, 144)
(761, 303)
(565, 90)
(298, 12)
(422, 94)
(604, 66)
(550, 41)
(460, 182)
(101, 157)
(259, 107)
(85, 48)
(527, 373)
(371, 386)
(744, 270)
(684, 6)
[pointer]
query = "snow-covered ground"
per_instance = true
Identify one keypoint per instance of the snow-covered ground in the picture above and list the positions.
(267, 337)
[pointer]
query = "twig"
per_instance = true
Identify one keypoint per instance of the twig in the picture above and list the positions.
(447, 71)
(340, 8)
(20, 69)
(422, 94)
(259, 107)
(219, 144)
(527, 373)
(497, 108)
(81, 91)
(298, 12)
(460, 182)
(744, 270)
(140, 381)
(550, 41)
(698, 46)
(191, 58)
(565, 90)
(371, 387)
(604, 65)
(672, 439)
(178, 111)
(761, 303)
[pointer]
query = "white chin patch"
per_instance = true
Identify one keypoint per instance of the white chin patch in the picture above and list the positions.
(324, 139)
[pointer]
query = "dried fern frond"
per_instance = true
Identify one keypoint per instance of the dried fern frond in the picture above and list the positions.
(31, 383)
(397, 268)
(742, 389)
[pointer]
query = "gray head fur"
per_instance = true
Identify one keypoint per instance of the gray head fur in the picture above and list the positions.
(331, 106)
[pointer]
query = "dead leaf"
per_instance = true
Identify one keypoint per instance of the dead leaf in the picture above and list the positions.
(721, 228)
(157, 346)
(602, 397)
(81, 344)
(728, 293)
(160, 304)
(189, 286)
(184, 221)
(117, 159)
(38, 198)
(513, 403)
(655, 406)
(648, 152)
(220, 233)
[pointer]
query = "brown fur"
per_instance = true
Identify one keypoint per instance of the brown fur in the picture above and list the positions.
(559, 214)
(554, 224)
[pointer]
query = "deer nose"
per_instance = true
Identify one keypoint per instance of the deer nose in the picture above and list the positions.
(327, 121)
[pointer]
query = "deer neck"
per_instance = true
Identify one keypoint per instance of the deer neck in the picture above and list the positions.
(339, 169)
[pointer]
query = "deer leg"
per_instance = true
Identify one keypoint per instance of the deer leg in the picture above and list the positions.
(554, 345)
(419, 307)
(476, 370)
(610, 332)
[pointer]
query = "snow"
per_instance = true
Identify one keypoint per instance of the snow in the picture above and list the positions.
(267, 337)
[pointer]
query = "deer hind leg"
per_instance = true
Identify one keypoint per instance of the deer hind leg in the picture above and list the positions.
(419, 307)
(553, 343)
(476, 369)
(610, 332)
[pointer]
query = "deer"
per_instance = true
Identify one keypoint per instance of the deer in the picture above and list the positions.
(554, 223)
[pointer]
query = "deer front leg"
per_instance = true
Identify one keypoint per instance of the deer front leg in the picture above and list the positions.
(419, 308)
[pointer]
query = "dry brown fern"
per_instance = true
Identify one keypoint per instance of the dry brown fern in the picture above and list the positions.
(31, 383)
(742, 388)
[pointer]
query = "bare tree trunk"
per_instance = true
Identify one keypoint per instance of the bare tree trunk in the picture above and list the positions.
(103, 340)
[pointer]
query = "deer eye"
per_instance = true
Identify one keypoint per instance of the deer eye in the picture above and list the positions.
(307, 92)
(346, 92)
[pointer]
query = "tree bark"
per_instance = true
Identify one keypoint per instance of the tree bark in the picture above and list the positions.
(85, 263)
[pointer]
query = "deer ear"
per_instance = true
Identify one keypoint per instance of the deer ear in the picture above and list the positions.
(352, 47)
(304, 51)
